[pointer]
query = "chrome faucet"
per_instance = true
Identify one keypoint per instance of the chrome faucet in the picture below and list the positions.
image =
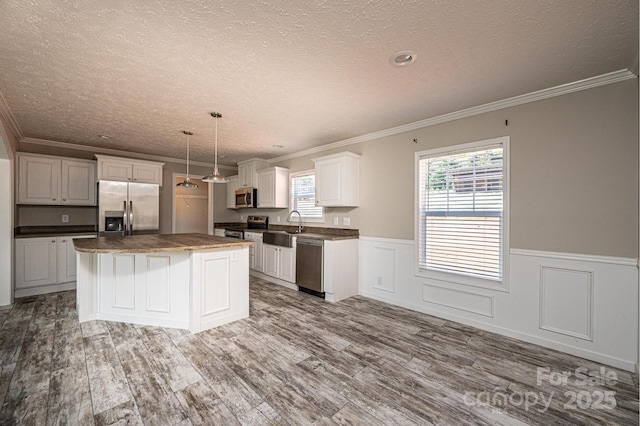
(299, 219)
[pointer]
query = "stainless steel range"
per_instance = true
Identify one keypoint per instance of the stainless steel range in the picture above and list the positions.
(253, 222)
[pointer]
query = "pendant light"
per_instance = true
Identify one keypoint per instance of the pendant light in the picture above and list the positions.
(186, 183)
(215, 177)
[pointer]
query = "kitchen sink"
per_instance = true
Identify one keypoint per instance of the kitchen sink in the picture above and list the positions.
(278, 238)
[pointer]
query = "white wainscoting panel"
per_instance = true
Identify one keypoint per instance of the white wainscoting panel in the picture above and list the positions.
(458, 299)
(384, 259)
(158, 283)
(566, 302)
(584, 305)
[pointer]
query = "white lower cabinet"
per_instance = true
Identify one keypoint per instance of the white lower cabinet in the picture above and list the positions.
(340, 271)
(66, 253)
(279, 262)
(255, 251)
(45, 264)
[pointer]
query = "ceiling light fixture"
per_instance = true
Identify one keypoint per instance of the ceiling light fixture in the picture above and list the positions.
(104, 137)
(216, 177)
(277, 146)
(402, 58)
(186, 183)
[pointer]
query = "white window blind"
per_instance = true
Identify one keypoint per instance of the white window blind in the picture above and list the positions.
(303, 196)
(461, 204)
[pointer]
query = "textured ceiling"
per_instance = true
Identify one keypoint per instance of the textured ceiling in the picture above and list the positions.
(296, 74)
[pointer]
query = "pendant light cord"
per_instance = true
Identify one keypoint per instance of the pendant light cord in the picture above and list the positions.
(215, 165)
(187, 155)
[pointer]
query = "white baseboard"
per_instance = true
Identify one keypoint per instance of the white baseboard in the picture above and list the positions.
(45, 289)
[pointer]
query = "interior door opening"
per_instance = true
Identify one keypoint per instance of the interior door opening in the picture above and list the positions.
(191, 207)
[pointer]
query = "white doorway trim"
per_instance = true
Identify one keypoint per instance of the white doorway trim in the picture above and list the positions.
(173, 203)
(7, 218)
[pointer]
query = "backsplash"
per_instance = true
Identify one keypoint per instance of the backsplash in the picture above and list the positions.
(52, 215)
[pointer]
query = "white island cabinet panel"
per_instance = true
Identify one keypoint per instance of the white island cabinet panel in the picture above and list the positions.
(187, 281)
(158, 283)
(216, 286)
(140, 287)
(220, 287)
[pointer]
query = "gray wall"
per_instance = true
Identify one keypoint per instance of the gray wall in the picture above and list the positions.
(574, 172)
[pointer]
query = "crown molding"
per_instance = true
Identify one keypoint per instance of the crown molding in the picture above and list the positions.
(588, 83)
(119, 153)
(8, 117)
(564, 89)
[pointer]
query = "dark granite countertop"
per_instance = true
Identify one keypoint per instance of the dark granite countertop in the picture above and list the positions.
(315, 233)
(156, 243)
(52, 231)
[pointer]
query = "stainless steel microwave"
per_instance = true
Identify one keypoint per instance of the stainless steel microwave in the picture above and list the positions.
(246, 197)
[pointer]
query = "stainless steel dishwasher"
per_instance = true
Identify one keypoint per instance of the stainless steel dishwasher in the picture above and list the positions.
(309, 266)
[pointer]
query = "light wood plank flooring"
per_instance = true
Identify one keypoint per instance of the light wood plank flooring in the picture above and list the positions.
(297, 360)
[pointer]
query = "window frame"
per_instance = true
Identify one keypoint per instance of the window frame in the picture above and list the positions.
(291, 204)
(452, 277)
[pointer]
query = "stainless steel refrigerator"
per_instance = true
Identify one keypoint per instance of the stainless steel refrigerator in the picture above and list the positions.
(128, 208)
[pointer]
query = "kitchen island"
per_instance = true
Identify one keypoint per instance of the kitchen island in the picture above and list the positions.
(189, 281)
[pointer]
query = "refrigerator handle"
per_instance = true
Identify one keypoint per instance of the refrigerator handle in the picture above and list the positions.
(130, 217)
(126, 218)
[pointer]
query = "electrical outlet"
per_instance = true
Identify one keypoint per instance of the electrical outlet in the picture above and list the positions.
(336, 221)
(65, 218)
(241, 217)
(346, 221)
(277, 218)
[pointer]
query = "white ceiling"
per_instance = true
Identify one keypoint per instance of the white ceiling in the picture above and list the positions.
(297, 74)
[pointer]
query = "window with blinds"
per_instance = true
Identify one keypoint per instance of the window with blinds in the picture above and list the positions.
(461, 205)
(303, 196)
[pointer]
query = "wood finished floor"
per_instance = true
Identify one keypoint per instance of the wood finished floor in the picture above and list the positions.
(297, 360)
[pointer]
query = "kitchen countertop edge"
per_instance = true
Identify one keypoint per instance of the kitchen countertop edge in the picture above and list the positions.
(310, 235)
(156, 243)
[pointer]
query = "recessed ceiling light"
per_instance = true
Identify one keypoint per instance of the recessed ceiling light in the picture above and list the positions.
(278, 146)
(402, 58)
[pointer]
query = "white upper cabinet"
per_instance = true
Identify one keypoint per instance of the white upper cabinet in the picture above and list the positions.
(78, 182)
(128, 170)
(273, 188)
(147, 173)
(232, 185)
(338, 180)
(248, 172)
(55, 180)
